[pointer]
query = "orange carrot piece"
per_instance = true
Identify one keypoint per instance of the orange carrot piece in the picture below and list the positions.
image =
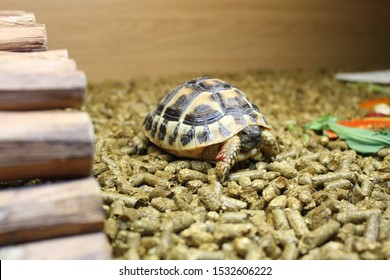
(330, 133)
(369, 104)
(368, 123)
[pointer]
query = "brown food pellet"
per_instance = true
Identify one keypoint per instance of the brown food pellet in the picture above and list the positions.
(284, 168)
(319, 235)
(244, 181)
(290, 252)
(233, 217)
(186, 175)
(232, 204)
(372, 227)
(163, 204)
(270, 192)
(294, 203)
(356, 216)
(156, 181)
(210, 195)
(280, 219)
(177, 220)
(297, 222)
(228, 231)
(340, 183)
(201, 166)
(251, 174)
(279, 202)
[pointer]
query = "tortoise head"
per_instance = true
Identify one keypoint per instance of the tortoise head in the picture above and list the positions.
(250, 137)
(254, 136)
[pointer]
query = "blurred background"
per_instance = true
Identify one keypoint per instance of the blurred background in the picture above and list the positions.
(122, 39)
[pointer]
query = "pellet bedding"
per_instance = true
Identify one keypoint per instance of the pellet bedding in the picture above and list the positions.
(316, 200)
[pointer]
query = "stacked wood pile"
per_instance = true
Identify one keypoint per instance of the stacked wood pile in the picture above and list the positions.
(61, 218)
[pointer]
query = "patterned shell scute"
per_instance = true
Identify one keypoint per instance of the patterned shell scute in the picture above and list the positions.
(199, 113)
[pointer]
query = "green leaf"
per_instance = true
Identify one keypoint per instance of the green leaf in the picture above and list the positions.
(361, 140)
(374, 88)
(321, 122)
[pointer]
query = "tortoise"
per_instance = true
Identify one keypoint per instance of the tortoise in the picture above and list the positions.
(208, 119)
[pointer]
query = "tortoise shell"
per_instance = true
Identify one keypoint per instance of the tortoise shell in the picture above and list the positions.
(200, 113)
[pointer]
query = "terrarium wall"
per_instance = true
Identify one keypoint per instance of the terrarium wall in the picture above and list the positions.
(120, 39)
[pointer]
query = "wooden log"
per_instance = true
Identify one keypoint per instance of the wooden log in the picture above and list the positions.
(23, 37)
(92, 246)
(36, 62)
(19, 17)
(51, 55)
(45, 90)
(45, 145)
(52, 210)
(38, 66)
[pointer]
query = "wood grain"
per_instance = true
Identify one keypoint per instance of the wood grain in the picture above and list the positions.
(18, 17)
(120, 39)
(92, 246)
(40, 80)
(51, 210)
(19, 32)
(36, 62)
(18, 37)
(46, 55)
(45, 145)
(55, 85)
(38, 66)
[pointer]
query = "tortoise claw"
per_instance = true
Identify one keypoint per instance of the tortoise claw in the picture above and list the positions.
(221, 170)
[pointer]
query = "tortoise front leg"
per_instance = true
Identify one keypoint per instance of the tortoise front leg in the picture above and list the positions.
(268, 145)
(141, 143)
(227, 156)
